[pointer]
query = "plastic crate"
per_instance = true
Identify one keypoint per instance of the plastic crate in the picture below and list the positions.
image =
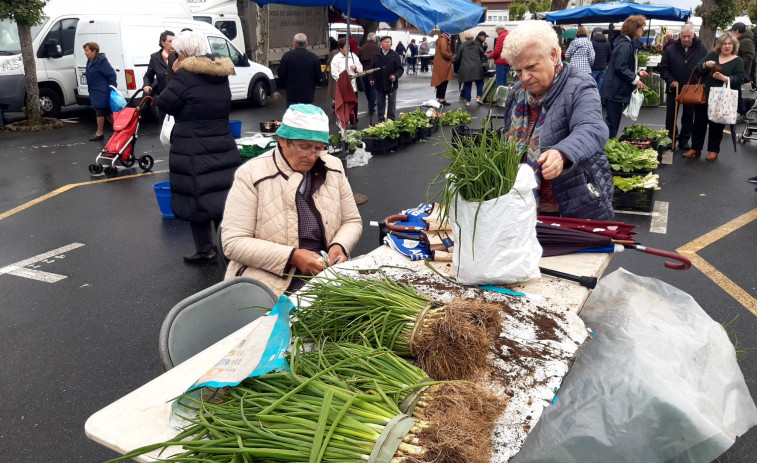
(248, 152)
(462, 132)
(426, 132)
(636, 200)
(407, 139)
(378, 146)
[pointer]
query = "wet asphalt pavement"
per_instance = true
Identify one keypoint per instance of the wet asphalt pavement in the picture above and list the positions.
(73, 346)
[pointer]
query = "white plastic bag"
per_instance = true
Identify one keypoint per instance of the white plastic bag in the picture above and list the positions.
(505, 248)
(634, 106)
(165, 131)
(659, 383)
(359, 158)
(722, 104)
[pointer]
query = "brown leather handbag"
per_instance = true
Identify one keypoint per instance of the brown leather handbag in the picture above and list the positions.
(692, 93)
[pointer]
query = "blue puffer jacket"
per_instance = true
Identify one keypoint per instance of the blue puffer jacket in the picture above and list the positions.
(100, 76)
(574, 126)
(621, 72)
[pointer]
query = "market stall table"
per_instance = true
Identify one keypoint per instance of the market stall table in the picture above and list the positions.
(142, 417)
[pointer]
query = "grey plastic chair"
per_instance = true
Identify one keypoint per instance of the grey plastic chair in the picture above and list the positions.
(205, 318)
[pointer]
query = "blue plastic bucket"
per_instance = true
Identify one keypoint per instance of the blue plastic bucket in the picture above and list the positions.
(163, 193)
(236, 127)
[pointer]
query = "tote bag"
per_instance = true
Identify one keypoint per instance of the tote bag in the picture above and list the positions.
(722, 104)
(117, 102)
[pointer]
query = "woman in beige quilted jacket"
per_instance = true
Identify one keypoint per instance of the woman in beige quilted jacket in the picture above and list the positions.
(289, 205)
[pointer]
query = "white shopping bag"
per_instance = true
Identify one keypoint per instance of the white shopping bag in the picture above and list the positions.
(165, 131)
(505, 248)
(722, 104)
(634, 106)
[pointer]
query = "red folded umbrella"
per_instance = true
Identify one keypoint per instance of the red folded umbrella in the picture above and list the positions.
(345, 101)
(615, 230)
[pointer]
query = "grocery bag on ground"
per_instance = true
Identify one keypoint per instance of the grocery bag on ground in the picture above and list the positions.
(659, 383)
(634, 106)
(496, 243)
(165, 131)
(117, 102)
(722, 104)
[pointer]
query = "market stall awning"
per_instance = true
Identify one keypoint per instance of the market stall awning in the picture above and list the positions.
(451, 16)
(616, 12)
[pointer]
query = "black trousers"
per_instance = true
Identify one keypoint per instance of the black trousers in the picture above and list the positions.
(441, 90)
(686, 113)
(202, 232)
(702, 125)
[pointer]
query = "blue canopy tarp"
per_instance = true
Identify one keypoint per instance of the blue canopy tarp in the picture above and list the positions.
(451, 16)
(611, 12)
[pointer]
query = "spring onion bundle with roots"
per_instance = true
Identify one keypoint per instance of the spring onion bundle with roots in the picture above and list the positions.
(450, 342)
(361, 368)
(282, 417)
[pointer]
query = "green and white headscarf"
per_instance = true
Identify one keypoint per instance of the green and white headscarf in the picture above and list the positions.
(304, 122)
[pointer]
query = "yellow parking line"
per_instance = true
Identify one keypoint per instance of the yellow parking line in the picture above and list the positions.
(65, 188)
(690, 250)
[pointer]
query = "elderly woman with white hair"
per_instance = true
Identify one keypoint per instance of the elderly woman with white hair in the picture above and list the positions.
(291, 206)
(204, 154)
(555, 116)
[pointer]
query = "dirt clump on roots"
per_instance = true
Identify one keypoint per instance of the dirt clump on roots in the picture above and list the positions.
(461, 418)
(455, 341)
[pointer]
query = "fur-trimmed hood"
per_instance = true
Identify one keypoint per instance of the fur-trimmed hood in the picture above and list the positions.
(211, 65)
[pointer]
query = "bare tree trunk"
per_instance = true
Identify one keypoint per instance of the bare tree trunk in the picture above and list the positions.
(558, 5)
(368, 26)
(32, 109)
(263, 40)
(707, 31)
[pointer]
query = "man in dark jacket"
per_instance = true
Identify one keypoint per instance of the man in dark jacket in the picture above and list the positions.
(299, 72)
(678, 61)
(746, 53)
(602, 53)
(366, 54)
(386, 79)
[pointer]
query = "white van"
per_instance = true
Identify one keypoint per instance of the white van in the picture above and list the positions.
(128, 41)
(53, 45)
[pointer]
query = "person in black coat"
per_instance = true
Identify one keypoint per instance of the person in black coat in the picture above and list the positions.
(299, 72)
(204, 154)
(154, 80)
(100, 77)
(386, 79)
(678, 62)
(411, 60)
(622, 75)
(602, 53)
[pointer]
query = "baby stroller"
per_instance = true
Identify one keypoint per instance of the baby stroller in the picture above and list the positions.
(120, 146)
(750, 130)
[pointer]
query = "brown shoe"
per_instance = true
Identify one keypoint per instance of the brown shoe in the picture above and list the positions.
(712, 156)
(692, 154)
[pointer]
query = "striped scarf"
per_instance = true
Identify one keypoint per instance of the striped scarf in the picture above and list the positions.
(527, 134)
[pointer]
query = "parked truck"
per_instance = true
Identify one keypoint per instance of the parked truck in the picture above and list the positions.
(265, 34)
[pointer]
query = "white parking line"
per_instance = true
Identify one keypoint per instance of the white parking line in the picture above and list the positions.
(19, 268)
(659, 214)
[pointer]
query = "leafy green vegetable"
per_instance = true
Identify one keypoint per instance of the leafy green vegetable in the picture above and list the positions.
(352, 137)
(626, 184)
(410, 122)
(387, 129)
(642, 132)
(628, 158)
(651, 98)
(456, 117)
(643, 59)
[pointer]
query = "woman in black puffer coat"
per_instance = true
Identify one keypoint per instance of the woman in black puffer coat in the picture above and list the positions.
(204, 154)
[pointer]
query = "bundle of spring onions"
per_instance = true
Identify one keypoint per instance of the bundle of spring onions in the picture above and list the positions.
(450, 343)
(364, 369)
(480, 168)
(284, 417)
(376, 312)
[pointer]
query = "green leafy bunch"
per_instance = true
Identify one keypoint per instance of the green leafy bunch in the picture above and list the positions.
(456, 117)
(628, 158)
(387, 129)
(27, 12)
(410, 122)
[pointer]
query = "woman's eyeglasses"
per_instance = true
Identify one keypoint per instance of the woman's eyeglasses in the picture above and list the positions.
(309, 149)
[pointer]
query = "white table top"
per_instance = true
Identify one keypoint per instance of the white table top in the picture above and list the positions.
(142, 417)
